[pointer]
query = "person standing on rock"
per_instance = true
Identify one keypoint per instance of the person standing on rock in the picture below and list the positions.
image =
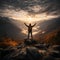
(30, 29)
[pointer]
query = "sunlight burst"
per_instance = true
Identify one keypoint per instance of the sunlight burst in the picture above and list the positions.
(24, 16)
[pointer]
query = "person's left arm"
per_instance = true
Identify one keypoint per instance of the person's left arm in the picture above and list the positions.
(34, 25)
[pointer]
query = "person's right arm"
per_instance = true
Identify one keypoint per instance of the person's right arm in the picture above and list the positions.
(34, 25)
(26, 24)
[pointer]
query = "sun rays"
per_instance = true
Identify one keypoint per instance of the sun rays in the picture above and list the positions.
(24, 16)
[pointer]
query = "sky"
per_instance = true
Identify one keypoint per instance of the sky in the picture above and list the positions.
(30, 11)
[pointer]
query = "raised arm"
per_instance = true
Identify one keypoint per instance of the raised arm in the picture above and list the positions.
(26, 24)
(34, 25)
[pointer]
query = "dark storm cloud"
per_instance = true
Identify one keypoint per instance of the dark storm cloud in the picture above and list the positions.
(52, 6)
(49, 6)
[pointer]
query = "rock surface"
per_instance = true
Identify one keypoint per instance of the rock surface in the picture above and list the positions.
(30, 50)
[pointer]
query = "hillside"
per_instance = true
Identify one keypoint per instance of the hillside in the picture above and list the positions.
(52, 37)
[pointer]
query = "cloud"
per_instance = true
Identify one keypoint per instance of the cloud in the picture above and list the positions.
(24, 16)
(33, 6)
(51, 6)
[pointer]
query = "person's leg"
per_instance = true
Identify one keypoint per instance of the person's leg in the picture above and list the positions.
(31, 36)
(28, 35)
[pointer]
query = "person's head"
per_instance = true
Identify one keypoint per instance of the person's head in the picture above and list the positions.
(30, 24)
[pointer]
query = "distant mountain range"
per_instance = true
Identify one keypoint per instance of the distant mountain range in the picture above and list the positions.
(50, 25)
(9, 29)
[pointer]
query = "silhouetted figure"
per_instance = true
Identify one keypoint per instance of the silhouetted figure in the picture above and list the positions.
(30, 29)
